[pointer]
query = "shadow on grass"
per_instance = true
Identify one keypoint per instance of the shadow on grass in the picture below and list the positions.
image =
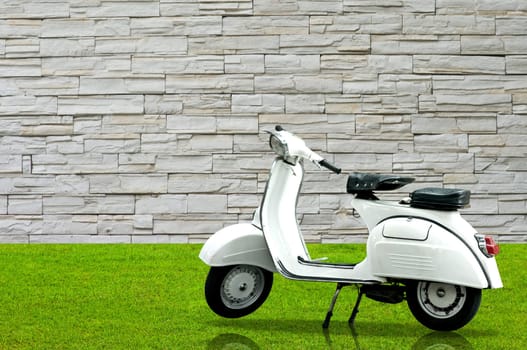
(363, 330)
(431, 341)
(391, 329)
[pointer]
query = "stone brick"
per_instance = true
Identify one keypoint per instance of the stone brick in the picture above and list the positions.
(17, 228)
(3, 205)
(163, 104)
(454, 143)
(133, 124)
(516, 64)
(519, 103)
(281, 7)
(225, 83)
(59, 28)
(40, 86)
(511, 124)
(361, 23)
(432, 124)
(301, 103)
(511, 25)
(196, 25)
(240, 164)
(244, 64)
(40, 9)
(324, 43)
(66, 224)
(258, 103)
(85, 105)
(227, 7)
(206, 104)
(13, 145)
(10, 163)
(162, 204)
(237, 45)
(298, 84)
(389, 6)
(412, 44)
(28, 105)
(111, 204)
(25, 205)
(448, 64)
(160, 45)
(189, 225)
(56, 47)
(93, 86)
(114, 9)
(183, 164)
(178, 64)
(467, 102)
(16, 28)
(438, 161)
(265, 25)
(207, 203)
(128, 183)
(19, 48)
(451, 24)
(179, 8)
(26, 67)
(76, 66)
(74, 163)
(404, 83)
(191, 124)
(236, 124)
(289, 64)
(212, 183)
(80, 239)
(123, 225)
(493, 45)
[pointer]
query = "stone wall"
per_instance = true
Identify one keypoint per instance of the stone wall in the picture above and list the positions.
(142, 121)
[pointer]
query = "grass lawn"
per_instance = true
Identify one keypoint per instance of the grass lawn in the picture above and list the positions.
(151, 297)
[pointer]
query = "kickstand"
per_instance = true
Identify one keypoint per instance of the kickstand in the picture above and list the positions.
(355, 310)
(325, 325)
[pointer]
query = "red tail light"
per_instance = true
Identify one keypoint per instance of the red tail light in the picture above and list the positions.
(487, 245)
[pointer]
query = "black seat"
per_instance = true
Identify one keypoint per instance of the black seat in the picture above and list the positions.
(440, 198)
(360, 183)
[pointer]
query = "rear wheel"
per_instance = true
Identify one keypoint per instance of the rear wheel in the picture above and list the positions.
(238, 290)
(442, 306)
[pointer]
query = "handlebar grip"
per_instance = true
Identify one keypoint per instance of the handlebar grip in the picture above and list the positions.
(330, 166)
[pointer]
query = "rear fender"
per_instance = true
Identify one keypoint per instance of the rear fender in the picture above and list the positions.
(237, 244)
(417, 249)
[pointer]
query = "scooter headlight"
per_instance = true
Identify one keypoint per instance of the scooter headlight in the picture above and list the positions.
(278, 146)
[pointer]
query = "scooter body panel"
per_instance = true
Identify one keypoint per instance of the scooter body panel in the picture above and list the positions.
(285, 241)
(431, 245)
(237, 244)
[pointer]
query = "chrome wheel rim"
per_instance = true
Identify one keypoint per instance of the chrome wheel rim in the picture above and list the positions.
(441, 300)
(242, 286)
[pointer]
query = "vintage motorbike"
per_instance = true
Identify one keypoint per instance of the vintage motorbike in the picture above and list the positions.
(420, 249)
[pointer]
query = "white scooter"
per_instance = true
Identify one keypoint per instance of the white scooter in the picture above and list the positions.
(419, 249)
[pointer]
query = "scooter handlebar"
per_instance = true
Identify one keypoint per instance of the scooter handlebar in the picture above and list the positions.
(330, 166)
(313, 156)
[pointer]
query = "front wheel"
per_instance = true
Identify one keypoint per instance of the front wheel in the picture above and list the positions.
(238, 290)
(442, 306)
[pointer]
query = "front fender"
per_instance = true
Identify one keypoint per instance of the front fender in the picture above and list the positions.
(237, 244)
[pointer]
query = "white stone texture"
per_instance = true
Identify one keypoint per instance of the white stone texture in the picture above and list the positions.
(143, 121)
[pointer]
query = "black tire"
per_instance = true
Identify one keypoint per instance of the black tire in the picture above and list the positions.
(238, 290)
(441, 306)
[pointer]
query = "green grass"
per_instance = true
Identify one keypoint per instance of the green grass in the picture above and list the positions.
(151, 297)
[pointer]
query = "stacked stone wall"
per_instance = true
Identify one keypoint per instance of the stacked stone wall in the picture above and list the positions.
(142, 121)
